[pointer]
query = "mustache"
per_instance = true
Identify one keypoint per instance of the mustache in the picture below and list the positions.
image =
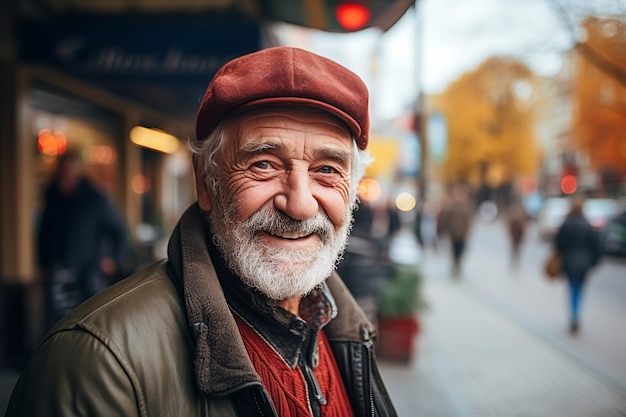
(278, 223)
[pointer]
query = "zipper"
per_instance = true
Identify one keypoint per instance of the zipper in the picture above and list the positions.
(368, 375)
(316, 391)
(255, 396)
(373, 379)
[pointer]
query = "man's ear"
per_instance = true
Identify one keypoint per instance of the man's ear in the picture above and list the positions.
(204, 198)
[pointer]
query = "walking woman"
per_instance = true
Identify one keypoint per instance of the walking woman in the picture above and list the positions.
(579, 246)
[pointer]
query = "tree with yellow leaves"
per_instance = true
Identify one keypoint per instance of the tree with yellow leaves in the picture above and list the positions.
(489, 114)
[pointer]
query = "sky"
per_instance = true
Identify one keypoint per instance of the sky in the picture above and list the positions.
(456, 36)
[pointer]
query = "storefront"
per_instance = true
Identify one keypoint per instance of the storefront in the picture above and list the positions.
(50, 106)
(79, 84)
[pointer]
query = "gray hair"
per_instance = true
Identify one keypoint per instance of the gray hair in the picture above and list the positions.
(205, 156)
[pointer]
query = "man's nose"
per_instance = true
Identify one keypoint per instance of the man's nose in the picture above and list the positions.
(297, 199)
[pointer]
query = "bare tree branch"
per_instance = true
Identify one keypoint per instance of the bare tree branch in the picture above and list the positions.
(610, 68)
(601, 63)
(564, 18)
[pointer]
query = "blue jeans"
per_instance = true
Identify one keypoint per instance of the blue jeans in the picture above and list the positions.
(576, 292)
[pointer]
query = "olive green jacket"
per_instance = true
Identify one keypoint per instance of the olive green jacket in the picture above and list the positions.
(133, 350)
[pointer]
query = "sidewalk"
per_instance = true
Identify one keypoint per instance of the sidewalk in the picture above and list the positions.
(474, 359)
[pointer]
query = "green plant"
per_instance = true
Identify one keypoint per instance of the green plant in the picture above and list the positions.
(402, 294)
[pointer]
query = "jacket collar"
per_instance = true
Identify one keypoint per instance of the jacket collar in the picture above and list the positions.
(221, 361)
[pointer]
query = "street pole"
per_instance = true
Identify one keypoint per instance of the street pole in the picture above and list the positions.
(421, 120)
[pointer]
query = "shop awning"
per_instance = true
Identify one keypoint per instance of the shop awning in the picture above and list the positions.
(162, 53)
(327, 15)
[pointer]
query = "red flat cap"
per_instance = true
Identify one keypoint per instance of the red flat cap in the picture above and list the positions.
(283, 76)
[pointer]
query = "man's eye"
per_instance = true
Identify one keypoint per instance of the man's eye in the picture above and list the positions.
(327, 170)
(262, 164)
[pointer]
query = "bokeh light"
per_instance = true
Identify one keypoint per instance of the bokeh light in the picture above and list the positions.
(155, 139)
(140, 184)
(102, 155)
(369, 189)
(405, 201)
(488, 210)
(52, 144)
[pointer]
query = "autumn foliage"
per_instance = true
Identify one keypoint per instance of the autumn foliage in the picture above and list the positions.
(599, 120)
(489, 116)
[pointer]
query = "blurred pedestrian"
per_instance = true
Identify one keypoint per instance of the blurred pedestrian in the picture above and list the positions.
(456, 221)
(516, 228)
(82, 239)
(425, 226)
(580, 248)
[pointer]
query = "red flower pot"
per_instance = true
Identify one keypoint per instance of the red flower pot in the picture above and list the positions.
(396, 337)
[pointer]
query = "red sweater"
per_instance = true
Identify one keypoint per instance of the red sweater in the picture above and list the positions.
(287, 386)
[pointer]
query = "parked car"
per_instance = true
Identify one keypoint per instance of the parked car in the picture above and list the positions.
(598, 211)
(615, 236)
(551, 216)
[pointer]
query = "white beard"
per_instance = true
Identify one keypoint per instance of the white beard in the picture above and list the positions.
(276, 272)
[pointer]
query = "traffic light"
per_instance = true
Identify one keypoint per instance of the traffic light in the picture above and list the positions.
(569, 184)
(352, 16)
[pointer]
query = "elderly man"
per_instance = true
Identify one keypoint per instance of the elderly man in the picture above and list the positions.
(246, 316)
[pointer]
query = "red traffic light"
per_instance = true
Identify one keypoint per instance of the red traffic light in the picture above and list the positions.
(569, 184)
(352, 16)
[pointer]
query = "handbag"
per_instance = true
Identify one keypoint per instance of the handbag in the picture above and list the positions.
(553, 267)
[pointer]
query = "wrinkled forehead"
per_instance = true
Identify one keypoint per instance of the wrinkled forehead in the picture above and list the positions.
(302, 114)
(274, 119)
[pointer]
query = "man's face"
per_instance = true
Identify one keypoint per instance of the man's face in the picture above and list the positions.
(282, 215)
